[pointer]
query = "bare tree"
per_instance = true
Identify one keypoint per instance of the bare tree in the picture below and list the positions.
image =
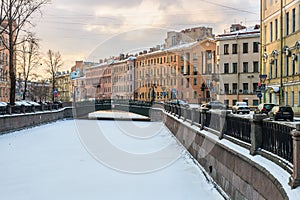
(28, 59)
(15, 15)
(53, 64)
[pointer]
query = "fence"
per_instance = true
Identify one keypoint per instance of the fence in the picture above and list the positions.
(260, 134)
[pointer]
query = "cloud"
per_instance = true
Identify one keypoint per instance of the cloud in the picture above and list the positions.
(79, 25)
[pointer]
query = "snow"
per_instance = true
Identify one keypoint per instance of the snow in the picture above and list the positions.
(115, 114)
(280, 174)
(56, 161)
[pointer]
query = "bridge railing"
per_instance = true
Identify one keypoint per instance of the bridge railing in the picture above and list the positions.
(256, 134)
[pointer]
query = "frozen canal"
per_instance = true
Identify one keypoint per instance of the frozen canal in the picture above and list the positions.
(89, 159)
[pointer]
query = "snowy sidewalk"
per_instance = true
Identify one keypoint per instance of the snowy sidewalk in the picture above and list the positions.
(55, 161)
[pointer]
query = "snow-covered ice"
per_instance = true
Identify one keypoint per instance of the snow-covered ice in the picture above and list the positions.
(56, 161)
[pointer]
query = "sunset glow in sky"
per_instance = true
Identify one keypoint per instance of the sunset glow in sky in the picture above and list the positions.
(94, 29)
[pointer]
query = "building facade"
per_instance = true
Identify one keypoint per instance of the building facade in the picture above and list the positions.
(123, 78)
(238, 61)
(63, 86)
(185, 72)
(98, 81)
(4, 67)
(280, 51)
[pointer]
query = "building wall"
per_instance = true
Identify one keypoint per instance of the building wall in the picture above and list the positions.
(98, 81)
(282, 67)
(63, 83)
(4, 69)
(239, 70)
(123, 79)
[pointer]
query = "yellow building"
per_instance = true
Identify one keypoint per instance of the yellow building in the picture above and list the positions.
(4, 67)
(280, 51)
(186, 71)
(63, 84)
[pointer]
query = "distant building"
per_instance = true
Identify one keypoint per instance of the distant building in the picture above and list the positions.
(98, 81)
(63, 86)
(185, 71)
(175, 38)
(281, 51)
(4, 66)
(123, 78)
(238, 64)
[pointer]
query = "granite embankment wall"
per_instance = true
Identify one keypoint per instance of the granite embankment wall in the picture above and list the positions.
(15, 122)
(239, 177)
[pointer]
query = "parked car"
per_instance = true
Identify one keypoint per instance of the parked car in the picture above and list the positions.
(179, 102)
(240, 107)
(214, 105)
(264, 108)
(282, 112)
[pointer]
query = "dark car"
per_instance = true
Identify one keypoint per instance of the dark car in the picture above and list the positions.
(264, 108)
(215, 105)
(282, 112)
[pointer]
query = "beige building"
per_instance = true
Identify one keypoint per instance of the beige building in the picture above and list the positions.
(63, 86)
(185, 72)
(238, 57)
(4, 67)
(98, 81)
(123, 78)
(280, 38)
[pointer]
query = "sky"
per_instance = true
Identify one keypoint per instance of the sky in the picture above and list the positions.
(95, 29)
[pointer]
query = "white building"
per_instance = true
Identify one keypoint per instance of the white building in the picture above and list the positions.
(238, 63)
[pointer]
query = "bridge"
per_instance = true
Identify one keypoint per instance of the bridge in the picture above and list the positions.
(247, 158)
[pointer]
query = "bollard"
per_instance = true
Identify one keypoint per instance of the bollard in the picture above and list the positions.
(203, 117)
(222, 125)
(256, 132)
(294, 180)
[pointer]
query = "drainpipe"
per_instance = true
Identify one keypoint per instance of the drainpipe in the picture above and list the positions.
(281, 53)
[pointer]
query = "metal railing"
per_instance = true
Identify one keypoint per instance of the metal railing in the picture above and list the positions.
(277, 138)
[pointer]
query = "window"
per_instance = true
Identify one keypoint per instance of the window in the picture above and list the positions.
(255, 102)
(245, 47)
(255, 66)
(209, 55)
(286, 98)
(226, 88)
(195, 56)
(293, 20)
(255, 47)
(195, 95)
(234, 48)
(255, 87)
(209, 68)
(226, 49)
(187, 82)
(195, 70)
(226, 68)
(286, 66)
(275, 67)
(234, 101)
(245, 67)
(271, 70)
(271, 2)
(298, 98)
(293, 67)
(173, 40)
(182, 69)
(271, 31)
(234, 68)
(234, 88)
(287, 24)
(195, 81)
(276, 29)
(292, 98)
(245, 88)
